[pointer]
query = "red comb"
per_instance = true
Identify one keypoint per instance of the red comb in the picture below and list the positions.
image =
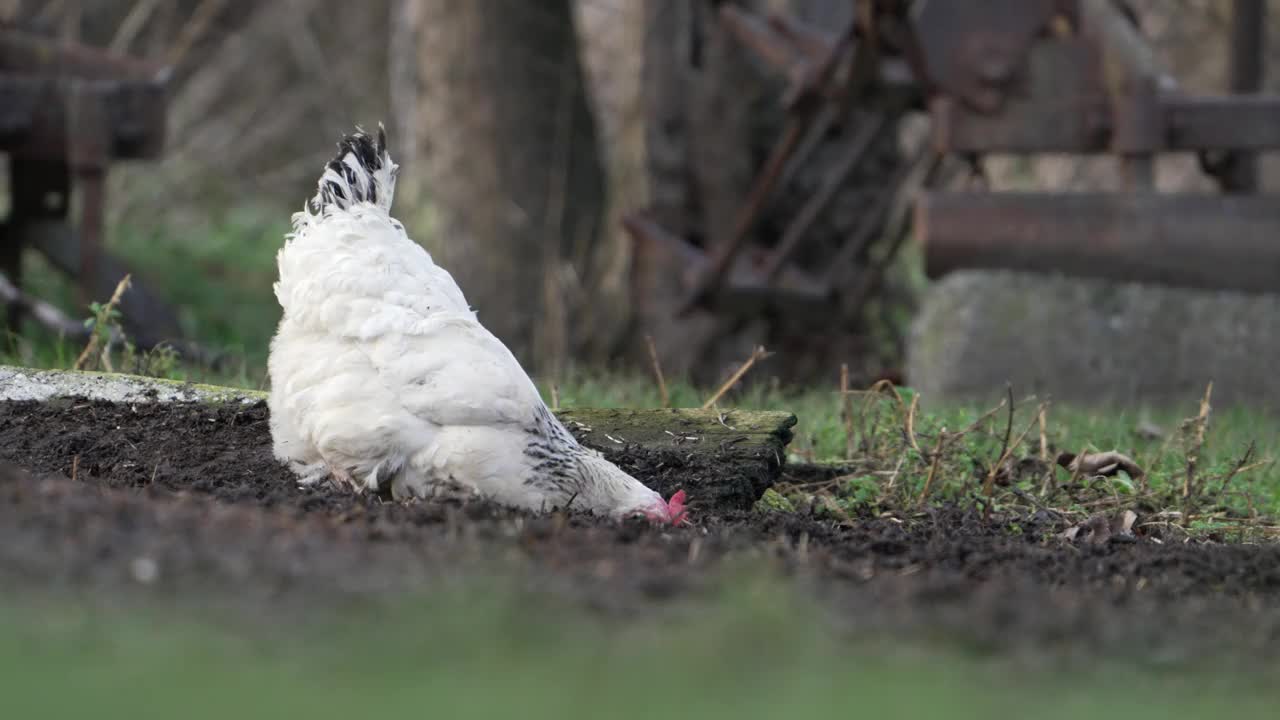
(675, 508)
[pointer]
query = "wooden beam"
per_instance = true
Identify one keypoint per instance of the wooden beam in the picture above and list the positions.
(1197, 241)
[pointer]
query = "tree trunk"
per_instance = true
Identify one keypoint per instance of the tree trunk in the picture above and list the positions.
(509, 163)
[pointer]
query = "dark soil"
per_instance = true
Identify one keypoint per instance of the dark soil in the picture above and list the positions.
(186, 498)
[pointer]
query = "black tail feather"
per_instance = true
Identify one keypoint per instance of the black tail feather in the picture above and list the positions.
(344, 185)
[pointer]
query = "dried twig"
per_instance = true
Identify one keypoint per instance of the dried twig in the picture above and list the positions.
(1044, 438)
(1201, 423)
(988, 486)
(846, 411)
(911, 423)
(945, 439)
(1008, 428)
(938, 447)
(869, 434)
(657, 371)
(756, 355)
(1242, 465)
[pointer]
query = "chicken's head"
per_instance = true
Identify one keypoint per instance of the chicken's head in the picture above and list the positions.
(605, 489)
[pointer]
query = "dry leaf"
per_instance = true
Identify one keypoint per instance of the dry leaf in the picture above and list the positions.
(1123, 524)
(1103, 463)
(1101, 528)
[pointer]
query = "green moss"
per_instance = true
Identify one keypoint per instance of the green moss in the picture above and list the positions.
(774, 501)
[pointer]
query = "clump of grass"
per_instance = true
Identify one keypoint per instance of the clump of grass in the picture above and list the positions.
(1206, 477)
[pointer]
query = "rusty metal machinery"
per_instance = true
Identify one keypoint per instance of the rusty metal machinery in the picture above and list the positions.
(827, 74)
(999, 76)
(1088, 85)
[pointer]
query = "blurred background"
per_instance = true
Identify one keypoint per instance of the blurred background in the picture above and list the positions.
(613, 181)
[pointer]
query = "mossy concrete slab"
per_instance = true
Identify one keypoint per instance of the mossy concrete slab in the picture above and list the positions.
(18, 383)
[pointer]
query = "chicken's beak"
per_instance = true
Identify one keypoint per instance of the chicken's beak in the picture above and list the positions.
(668, 512)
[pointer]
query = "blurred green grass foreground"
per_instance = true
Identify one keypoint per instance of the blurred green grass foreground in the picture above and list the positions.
(752, 653)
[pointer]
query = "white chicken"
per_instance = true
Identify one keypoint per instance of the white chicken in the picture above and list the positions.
(383, 378)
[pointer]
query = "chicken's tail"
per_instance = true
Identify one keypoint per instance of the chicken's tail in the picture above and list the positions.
(361, 172)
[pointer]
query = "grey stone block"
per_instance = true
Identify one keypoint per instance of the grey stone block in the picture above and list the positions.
(1093, 342)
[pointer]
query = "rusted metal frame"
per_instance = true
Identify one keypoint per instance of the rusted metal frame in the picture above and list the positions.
(1248, 41)
(88, 154)
(725, 252)
(971, 49)
(1129, 237)
(1061, 107)
(742, 284)
(25, 52)
(801, 102)
(34, 111)
(1056, 104)
(1131, 78)
(869, 280)
(788, 45)
(872, 221)
(912, 50)
(845, 164)
(1190, 124)
(811, 42)
(779, 43)
(815, 78)
(816, 45)
(838, 109)
(762, 38)
(816, 133)
(1245, 122)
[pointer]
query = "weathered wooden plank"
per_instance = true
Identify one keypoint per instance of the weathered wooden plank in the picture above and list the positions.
(722, 460)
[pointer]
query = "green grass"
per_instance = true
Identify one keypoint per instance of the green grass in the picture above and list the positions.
(752, 652)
